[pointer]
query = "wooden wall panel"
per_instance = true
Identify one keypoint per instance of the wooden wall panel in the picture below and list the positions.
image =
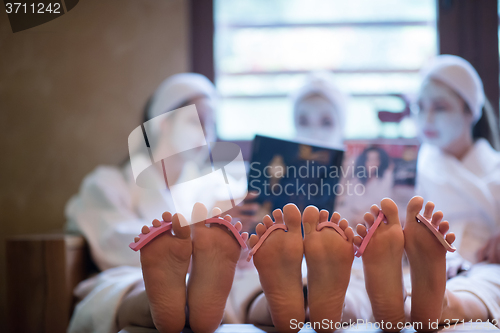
(71, 90)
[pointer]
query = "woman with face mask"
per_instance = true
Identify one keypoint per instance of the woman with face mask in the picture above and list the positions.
(460, 173)
(319, 119)
(319, 111)
(111, 208)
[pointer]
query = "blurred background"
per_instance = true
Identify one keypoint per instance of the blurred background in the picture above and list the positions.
(72, 89)
(264, 50)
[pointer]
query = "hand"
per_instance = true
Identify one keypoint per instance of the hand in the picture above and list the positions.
(455, 264)
(491, 251)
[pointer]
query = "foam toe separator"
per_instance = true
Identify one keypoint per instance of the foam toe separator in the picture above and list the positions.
(333, 226)
(368, 236)
(263, 238)
(231, 228)
(436, 233)
(153, 232)
(165, 226)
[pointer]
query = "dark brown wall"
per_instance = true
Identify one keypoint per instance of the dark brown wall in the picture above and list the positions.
(469, 29)
(71, 91)
(201, 17)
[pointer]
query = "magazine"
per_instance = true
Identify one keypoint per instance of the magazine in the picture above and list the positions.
(284, 171)
(373, 170)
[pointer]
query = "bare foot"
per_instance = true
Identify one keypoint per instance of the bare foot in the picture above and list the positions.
(165, 263)
(427, 258)
(329, 259)
(279, 262)
(382, 264)
(215, 255)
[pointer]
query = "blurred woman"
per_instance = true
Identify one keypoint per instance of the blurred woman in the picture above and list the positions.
(319, 111)
(111, 208)
(460, 173)
(110, 205)
(319, 119)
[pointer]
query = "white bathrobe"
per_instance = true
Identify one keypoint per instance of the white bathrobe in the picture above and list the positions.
(109, 211)
(468, 193)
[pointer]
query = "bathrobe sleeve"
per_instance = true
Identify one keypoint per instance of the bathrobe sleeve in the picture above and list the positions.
(103, 211)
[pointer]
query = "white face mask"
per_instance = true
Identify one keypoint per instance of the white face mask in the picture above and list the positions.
(317, 119)
(184, 131)
(442, 120)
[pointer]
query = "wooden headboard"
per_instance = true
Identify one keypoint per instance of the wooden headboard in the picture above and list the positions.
(42, 271)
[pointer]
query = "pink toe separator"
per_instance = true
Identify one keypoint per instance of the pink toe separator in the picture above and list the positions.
(263, 238)
(283, 227)
(332, 225)
(231, 228)
(153, 232)
(371, 231)
(165, 226)
(436, 233)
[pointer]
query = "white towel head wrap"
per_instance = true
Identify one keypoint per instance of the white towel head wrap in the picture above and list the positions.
(178, 89)
(322, 83)
(172, 94)
(460, 76)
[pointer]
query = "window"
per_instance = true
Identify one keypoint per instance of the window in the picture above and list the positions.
(264, 49)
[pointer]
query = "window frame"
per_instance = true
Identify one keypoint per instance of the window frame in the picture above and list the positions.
(459, 22)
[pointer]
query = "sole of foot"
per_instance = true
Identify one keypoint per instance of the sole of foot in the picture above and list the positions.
(329, 260)
(382, 264)
(427, 258)
(165, 262)
(279, 262)
(215, 256)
